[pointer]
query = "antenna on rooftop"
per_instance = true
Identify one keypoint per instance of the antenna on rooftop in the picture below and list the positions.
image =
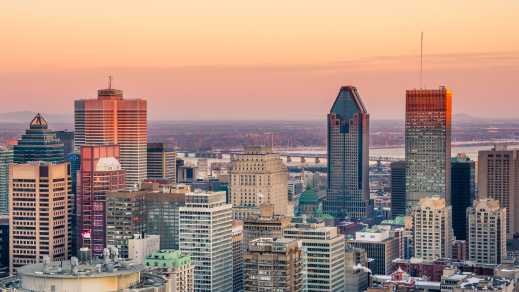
(421, 60)
(110, 81)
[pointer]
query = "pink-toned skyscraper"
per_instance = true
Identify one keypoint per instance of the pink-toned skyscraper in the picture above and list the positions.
(110, 120)
(99, 174)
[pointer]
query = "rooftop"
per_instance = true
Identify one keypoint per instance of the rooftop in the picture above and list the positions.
(167, 258)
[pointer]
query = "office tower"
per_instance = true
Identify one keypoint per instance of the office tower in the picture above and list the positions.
(428, 121)
(324, 248)
(6, 157)
(274, 265)
(110, 120)
(463, 189)
(266, 224)
(237, 255)
(100, 173)
(432, 229)
(176, 266)
(39, 144)
(161, 162)
(258, 176)
(206, 236)
(140, 246)
(162, 214)
(38, 212)
(348, 136)
(356, 273)
(67, 139)
(124, 219)
(498, 178)
(381, 245)
(398, 199)
(74, 161)
(486, 232)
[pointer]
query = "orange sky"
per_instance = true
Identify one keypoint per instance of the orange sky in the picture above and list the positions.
(266, 59)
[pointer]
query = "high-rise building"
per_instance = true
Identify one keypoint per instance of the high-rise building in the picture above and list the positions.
(463, 189)
(348, 136)
(176, 266)
(428, 122)
(67, 139)
(39, 144)
(38, 212)
(264, 225)
(237, 255)
(206, 236)
(110, 120)
(398, 198)
(432, 229)
(6, 157)
(161, 162)
(258, 176)
(498, 178)
(100, 173)
(486, 232)
(325, 257)
(124, 219)
(274, 265)
(381, 245)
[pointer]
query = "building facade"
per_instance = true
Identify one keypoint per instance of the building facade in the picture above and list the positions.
(38, 213)
(398, 197)
(112, 120)
(258, 176)
(486, 234)
(237, 255)
(177, 267)
(428, 123)
(432, 229)
(274, 265)
(161, 162)
(6, 158)
(206, 236)
(264, 225)
(348, 141)
(463, 189)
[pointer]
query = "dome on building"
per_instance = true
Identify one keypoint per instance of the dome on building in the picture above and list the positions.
(108, 164)
(38, 122)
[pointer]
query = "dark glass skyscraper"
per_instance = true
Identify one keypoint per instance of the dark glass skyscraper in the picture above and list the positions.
(348, 133)
(39, 144)
(463, 193)
(398, 200)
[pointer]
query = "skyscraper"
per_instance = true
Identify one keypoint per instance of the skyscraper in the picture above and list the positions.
(258, 176)
(265, 224)
(100, 172)
(6, 157)
(463, 189)
(348, 134)
(237, 255)
(486, 232)
(398, 199)
(161, 162)
(38, 212)
(67, 138)
(498, 178)
(110, 120)
(206, 236)
(39, 144)
(432, 229)
(428, 143)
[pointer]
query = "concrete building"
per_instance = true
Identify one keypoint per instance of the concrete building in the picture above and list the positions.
(381, 246)
(428, 123)
(275, 265)
(161, 162)
(324, 250)
(112, 120)
(432, 229)
(6, 157)
(264, 225)
(206, 236)
(258, 176)
(139, 247)
(398, 198)
(176, 266)
(498, 178)
(356, 273)
(486, 222)
(237, 255)
(100, 173)
(348, 140)
(38, 213)
(463, 189)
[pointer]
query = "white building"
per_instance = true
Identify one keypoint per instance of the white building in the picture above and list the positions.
(206, 236)
(140, 247)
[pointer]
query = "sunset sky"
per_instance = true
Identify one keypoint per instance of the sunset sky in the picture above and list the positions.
(258, 59)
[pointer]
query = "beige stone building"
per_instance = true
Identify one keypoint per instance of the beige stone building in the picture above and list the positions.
(38, 213)
(265, 224)
(258, 176)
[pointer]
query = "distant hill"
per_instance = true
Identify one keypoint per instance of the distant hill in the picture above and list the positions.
(26, 117)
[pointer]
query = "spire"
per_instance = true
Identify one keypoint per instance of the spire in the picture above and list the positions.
(38, 122)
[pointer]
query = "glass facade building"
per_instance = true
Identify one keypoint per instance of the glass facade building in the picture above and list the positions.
(6, 157)
(463, 188)
(398, 199)
(348, 133)
(428, 143)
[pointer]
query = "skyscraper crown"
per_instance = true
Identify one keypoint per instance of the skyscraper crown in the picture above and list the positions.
(38, 122)
(348, 102)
